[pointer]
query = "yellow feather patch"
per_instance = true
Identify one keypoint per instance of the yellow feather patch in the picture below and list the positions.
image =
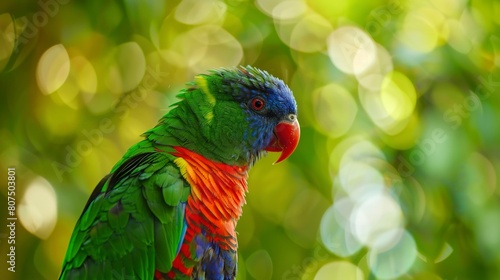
(202, 83)
(185, 171)
(209, 116)
(182, 164)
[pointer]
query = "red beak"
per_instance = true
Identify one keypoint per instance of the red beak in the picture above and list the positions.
(286, 138)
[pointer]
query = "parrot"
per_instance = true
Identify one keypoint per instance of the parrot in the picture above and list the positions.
(169, 207)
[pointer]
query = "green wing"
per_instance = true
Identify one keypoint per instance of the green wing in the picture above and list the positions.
(133, 223)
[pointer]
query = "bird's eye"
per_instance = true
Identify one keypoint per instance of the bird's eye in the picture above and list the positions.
(258, 104)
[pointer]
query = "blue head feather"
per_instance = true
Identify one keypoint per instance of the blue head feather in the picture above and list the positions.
(247, 83)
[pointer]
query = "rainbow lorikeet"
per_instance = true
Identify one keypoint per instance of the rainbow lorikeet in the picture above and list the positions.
(168, 209)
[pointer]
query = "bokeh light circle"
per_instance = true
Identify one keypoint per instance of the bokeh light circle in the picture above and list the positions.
(351, 49)
(398, 95)
(309, 33)
(373, 76)
(421, 29)
(335, 109)
(53, 69)
(38, 208)
(335, 229)
(339, 270)
(288, 9)
(204, 47)
(391, 108)
(129, 68)
(197, 12)
(395, 261)
(375, 219)
(361, 150)
(360, 180)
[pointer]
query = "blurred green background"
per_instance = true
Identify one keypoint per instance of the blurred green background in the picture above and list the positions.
(396, 174)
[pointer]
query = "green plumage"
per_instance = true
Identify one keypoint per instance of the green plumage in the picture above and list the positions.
(134, 223)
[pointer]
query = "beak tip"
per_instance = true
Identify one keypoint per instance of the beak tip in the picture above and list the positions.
(288, 135)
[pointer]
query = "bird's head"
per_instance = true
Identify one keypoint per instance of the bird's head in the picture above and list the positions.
(243, 113)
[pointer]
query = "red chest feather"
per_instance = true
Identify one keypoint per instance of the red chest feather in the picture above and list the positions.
(213, 209)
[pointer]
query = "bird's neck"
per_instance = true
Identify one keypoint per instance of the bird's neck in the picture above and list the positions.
(217, 192)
